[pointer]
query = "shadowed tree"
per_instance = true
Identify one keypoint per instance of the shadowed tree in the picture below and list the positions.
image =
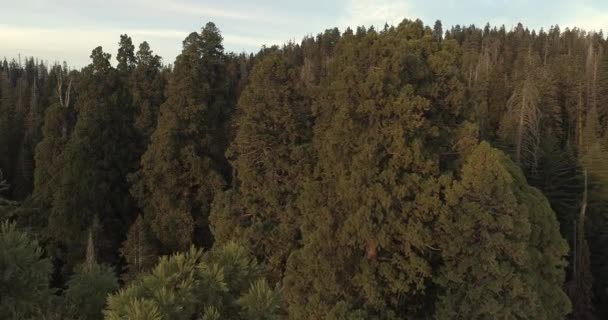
(180, 172)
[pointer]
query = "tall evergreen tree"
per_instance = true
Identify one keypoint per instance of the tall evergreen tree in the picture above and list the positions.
(6, 115)
(270, 155)
(56, 130)
(126, 55)
(367, 210)
(147, 85)
(93, 165)
(180, 172)
(139, 250)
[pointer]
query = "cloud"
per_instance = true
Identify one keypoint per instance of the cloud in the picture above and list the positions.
(74, 44)
(243, 14)
(587, 18)
(375, 12)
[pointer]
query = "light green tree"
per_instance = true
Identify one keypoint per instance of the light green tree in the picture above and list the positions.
(224, 283)
(503, 256)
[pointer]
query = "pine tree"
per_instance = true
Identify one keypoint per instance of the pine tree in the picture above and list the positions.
(223, 284)
(126, 55)
(26, 274)
(180, 172)
(88, 288)
(438, 31)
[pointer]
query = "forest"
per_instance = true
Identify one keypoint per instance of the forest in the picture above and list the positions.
(408, 172)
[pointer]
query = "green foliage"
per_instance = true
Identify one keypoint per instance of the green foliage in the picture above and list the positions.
(180, 172)
(502, 253)
(260, 302)
(270, 156)
(224, 283)
(87, 291)
(368, 207)
(55, 131)
(6, 114)
(90, 171)
(147, 85)
(126, 54)
(24, 285)
(593, 157)
(139, 249)
(350, 169)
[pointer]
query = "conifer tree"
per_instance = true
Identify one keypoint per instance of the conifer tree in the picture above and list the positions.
(367, 210)
(147, 85)
(269, 157)
(522, 120)
(503, 255)
(139, 249)
(180, 172)
(88, 288)
(223, 284)
(26, 274)
(6, 122)
(126, 55)
(438, 30)
(93, 166)
(591, 255)
(56, 129)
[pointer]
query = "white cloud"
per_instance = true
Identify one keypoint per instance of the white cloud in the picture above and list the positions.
(244, 14)
(375, 12)
(587, 18)
(74, 44)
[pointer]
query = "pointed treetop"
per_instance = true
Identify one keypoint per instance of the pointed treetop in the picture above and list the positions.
(101, 60)
(146, 56)
(126, 55)
(212, 40)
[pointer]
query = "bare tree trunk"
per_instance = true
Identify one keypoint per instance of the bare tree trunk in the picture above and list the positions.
(520, 128)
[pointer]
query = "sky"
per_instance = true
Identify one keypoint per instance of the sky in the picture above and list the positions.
(67, 30)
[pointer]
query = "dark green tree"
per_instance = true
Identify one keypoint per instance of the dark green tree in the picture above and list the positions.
(91, 170)
(6, 133)
(146, 86)
(180, 172)
(26, 275)
(139, 249)
(126, 55)
(56, 130)
(89, 287)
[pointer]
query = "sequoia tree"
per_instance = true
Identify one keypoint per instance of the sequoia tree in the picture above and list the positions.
(270, 155)
(179, 173)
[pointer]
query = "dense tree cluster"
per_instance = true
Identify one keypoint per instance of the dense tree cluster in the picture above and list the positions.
(401, 173)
